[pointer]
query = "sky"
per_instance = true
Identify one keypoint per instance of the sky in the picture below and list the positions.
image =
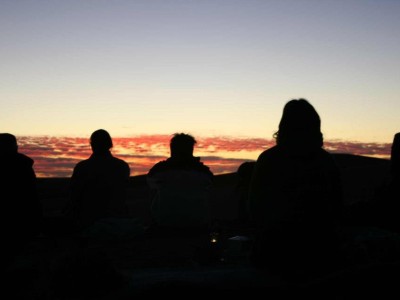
(221, 70)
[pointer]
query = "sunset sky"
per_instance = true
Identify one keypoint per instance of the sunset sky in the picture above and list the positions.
(221, 70)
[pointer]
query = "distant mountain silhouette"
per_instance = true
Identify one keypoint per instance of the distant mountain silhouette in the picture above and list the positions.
(350, 160)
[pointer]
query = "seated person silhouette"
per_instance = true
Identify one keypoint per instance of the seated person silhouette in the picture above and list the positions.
(244, 173)
(22, 210)
(99, 184)
(395, 157)
(295, 197)
(386, 203)
(180, 188)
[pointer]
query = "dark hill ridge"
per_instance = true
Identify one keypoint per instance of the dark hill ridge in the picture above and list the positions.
(350, 160)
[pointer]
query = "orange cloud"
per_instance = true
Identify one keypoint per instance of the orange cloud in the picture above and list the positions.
(57, 156)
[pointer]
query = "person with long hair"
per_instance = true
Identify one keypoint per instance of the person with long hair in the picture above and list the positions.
(295, 195)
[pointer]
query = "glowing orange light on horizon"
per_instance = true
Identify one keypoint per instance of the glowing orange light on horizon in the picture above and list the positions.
(56, 156)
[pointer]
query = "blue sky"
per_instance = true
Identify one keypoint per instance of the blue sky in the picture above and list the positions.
(210, 68)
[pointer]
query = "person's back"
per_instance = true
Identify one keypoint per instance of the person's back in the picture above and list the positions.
(180, 188)
(295, 188)
(99, 183)
(295, 196)
(244, 173)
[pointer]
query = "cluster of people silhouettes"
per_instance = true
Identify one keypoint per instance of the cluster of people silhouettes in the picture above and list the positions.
(291, 195)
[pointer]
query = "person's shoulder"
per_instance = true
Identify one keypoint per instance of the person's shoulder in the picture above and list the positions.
(159, 167)
(198, 165)
(161, 164)
(120, 165)
(327, 161)
(25, 159)
(171, 165)
(120, 161)
(270, 152)
(324, 152)
(327, 156)
(83, 165)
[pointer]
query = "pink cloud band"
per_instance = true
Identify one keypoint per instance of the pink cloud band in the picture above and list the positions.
(56, 156)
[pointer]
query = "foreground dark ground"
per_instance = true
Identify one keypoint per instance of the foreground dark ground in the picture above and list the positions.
(117, 266)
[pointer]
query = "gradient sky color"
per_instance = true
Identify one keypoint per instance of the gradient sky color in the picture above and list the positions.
(212, 68)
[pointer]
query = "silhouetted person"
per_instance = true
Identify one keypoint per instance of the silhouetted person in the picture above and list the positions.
(295, 196)
(22, 210)
(395, 158)
(244, 173)
(180, 188)
(99, 184)
(386, 204)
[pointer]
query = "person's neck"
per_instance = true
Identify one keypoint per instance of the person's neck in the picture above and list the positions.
(102, 153)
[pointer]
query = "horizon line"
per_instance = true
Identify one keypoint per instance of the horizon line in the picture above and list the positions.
(56, 156)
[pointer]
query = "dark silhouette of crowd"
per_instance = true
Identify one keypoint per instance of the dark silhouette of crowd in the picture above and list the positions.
(291, 196)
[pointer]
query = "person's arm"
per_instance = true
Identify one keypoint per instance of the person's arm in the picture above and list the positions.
(154, 180)
(34, 206)
(254, 193)
(75, 187)
(127, 174)
(263, 204)
(156, 175)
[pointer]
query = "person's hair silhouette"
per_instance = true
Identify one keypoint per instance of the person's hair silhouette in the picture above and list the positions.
(180, 187)
(99, 184)
(101, 141)
(295, 195)
(300, 125)
(182, 145)
(8, 144)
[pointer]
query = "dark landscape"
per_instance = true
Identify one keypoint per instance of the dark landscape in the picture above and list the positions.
(138, 264)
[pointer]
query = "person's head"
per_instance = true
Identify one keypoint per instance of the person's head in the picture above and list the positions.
(8, 143)
(101, 141)
(300, 123)
(182, 145)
